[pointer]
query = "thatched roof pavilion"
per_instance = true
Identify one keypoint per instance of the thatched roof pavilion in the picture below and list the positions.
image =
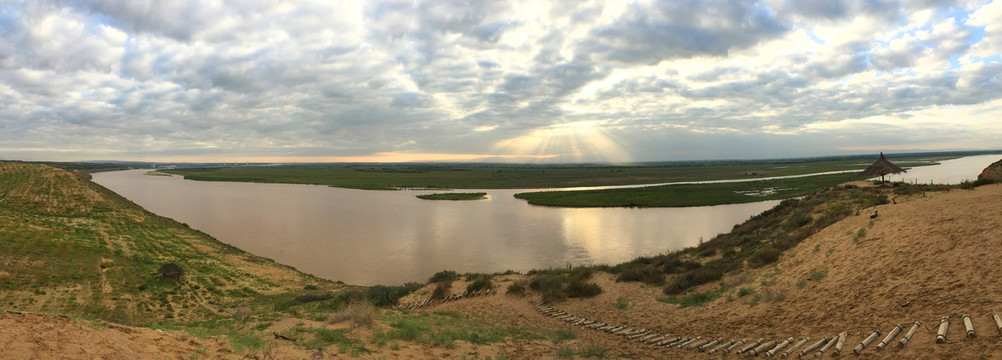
(881, 167)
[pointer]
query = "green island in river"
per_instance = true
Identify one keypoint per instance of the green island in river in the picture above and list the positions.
(454, 196)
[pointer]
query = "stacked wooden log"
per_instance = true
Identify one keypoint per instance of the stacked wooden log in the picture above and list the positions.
(719, 345)
(428, 302)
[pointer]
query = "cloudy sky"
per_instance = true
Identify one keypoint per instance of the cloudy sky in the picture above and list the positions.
(514, 81)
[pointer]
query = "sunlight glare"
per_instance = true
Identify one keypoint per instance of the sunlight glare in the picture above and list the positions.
(580, 141)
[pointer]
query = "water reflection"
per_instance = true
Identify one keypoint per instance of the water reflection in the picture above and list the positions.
(388, 237)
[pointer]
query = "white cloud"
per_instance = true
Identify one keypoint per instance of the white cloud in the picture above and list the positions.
(652, 79)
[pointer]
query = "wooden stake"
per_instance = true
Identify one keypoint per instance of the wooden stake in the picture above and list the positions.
(944, 326)
(722, 346)
(751, 346)
(814, 346)
(869, 339)
(779, 347)
(829, 345)
(890, 336)
(735, 344)
(908, 335)
(710, 344)
(761, 348)
(697, 344)
(795, 346)
(998, 322)
(838, 346)
(970, 326)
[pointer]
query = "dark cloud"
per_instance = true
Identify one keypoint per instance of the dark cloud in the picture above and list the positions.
(684, 29)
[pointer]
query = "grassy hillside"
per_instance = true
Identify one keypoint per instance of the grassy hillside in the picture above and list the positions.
(72, 247)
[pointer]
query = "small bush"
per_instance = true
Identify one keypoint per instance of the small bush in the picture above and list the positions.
(441, 290)
(644, 274)
(389, 295)
(518, 287)
(311, 287)
(360, 313)
(742, 292)
(763, 256)
(560, 336)
(817, 275)
(444, 275)
(581, 289)
(308, 298)
(481, 282)
(621, 303)
(549, 286)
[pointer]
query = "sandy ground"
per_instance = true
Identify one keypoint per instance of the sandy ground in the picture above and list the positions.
(925, 257)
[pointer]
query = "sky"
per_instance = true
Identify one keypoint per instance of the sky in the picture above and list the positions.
(507, 81)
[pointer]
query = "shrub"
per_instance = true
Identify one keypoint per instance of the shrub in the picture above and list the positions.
(763, 256)
(645, 274)
(518, 287)
(444, 275)
(441, 290)
(550, 286)
(308, 298)
(359, 312)
(481, 282)
(581, 289)
(745, 291)
(388, 295)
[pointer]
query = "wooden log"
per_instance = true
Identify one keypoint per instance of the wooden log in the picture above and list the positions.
(654, 340)
(721, 347)
(697, 344)
(735, 345)
(869, 339)
(829, 345)
(676, 342)
(704, 347)
(772, 352)
(890, 336)
(695, 339)
(639, 334)
(998, 322)
(589, 322)
(795, 346)
(667, 341)
(751, 346)
(944, 327)
(814, 346)
(908, 335)
(969, 326)
(838, 346)
(763, 347)
(647, 337)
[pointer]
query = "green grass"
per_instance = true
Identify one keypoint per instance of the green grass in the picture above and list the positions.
(817, 275)
(522, 176)
(454, 196)
(444, 328)
(687, 195)
(692, 299)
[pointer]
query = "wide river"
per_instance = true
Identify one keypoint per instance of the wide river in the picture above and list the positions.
(389, 237)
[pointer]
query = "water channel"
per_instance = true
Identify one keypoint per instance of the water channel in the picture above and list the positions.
(390, 237)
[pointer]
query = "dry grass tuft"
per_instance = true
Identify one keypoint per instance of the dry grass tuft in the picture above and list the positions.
(360, 313)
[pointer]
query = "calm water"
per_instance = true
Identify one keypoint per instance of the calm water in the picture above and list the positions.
(948, 172)
(389, 237)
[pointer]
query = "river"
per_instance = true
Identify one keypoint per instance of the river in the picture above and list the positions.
(389, 237)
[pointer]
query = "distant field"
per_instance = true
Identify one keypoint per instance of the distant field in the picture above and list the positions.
(487, 176)
(454, 196)
(688, 195)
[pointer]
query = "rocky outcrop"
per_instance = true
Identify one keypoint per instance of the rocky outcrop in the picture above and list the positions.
(993, 171)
